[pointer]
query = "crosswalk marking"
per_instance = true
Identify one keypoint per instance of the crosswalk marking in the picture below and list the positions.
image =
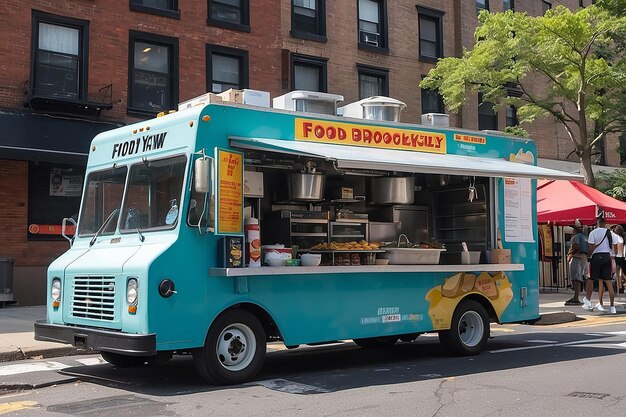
(31, 367)
(91, 361)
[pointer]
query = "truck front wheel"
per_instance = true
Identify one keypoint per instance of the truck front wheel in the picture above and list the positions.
(234, 349)
(469, 331)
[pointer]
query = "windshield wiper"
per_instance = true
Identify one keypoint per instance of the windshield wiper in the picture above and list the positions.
(133, 221)
(104, 225)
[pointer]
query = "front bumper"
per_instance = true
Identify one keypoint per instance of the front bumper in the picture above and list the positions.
(96, 339)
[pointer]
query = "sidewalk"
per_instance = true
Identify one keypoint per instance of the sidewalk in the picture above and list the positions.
(17, 325)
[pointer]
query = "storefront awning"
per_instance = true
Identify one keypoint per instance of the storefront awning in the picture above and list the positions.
(40, 137)
(354, 157)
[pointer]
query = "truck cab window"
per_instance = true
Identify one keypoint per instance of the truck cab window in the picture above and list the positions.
(154, 190)
(104, 193)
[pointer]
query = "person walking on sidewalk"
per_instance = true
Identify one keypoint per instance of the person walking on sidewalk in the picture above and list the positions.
(577, 262)
(620, 264)
(601, 248)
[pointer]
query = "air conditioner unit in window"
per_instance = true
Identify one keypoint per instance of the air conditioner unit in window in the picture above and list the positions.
(369, 38)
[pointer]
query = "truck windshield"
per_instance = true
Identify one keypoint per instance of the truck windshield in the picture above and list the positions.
(153, 197)
(104, 193)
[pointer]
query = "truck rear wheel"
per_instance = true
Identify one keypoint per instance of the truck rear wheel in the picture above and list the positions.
(234, 349)
(469, 331)
(382, 342)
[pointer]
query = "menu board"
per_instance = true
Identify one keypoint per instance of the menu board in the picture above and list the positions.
(518, 224)
(229, 192)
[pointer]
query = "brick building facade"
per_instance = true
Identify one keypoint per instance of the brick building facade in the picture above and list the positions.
(73, 68)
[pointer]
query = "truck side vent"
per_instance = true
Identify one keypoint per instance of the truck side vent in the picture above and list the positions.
(94, 298)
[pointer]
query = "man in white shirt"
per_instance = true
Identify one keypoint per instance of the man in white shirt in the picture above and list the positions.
(601, 243)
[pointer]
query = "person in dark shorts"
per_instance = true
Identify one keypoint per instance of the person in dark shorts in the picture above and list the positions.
(600, 243)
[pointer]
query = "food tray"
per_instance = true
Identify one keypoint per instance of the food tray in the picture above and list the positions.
(412, 256)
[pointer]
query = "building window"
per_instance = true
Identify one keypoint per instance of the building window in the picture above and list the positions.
(487, 118)
(167, 8)
(373, 23)
(482, 5)
(372, 81)
(60, 57)
(545, 6)
(153, 73)
(231, 14)
(508, 5)
(308, 73)
(54, 192)
(226, 68)
(511, 116)
(432, 102)
(430, 33)
(308, 19)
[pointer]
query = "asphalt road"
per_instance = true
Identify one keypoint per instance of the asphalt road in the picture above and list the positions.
(572, 369)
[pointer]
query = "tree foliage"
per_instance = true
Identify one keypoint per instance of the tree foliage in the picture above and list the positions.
(578, 57)
(613, 183)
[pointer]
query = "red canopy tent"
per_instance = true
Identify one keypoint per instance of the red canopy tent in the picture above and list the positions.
(560, 202)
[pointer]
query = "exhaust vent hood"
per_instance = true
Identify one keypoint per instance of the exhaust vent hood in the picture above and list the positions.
(308, 102)
(436, 119)
(374, 108)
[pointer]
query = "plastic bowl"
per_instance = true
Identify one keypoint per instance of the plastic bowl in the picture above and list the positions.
(382, 261)
(311, 259)
(276, 261)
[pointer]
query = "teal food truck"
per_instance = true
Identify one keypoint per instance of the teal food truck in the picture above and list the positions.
(221, 227)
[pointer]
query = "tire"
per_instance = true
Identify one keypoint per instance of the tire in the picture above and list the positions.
(124, 361)
(383, 342)
(234, 349)
(469, 331)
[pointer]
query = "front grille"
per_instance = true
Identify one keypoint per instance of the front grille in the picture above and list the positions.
(94, 298)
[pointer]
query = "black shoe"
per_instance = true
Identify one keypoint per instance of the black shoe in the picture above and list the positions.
(573, 302)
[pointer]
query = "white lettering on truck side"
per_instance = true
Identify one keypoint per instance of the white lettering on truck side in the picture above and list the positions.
(134, 146)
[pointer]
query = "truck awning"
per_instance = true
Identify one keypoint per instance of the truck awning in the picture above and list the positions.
(362, 158)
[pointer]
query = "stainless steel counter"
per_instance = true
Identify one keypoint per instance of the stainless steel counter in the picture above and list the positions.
(317, 270)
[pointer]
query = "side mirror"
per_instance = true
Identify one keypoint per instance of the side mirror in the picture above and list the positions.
(64, 228)
(202, 170)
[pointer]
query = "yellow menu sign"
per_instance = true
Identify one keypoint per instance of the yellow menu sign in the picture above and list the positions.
(229, 193)
(340, 133)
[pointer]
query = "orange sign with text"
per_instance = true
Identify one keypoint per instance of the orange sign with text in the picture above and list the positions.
(340, 133)
(230, 192)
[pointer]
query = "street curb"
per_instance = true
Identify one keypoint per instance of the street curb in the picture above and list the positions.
(45, 353)
(10, 388)
(558, 317)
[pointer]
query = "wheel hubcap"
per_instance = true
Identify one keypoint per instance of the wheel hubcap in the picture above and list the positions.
(471, 328)
(236, 347)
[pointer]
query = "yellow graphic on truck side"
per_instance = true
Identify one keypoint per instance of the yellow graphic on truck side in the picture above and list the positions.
(444, 298)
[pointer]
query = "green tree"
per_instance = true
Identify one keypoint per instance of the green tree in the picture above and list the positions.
(579, 56)
(613, 183)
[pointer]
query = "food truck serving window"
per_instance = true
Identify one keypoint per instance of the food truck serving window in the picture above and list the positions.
(153, 197)
(104, 193)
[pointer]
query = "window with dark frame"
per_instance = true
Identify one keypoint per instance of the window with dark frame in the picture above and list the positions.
(309, 73)
(545, 6)
(308, 19)
(153, 73)
(511, 116)
(482, 5)
(432, 101)
(430, 34)
(231, 14)
(372, 81)
(226, 68)
(60, 56)
(487, 118)
(373, 23)
(54, 192)
(167, 8)
(508, 5)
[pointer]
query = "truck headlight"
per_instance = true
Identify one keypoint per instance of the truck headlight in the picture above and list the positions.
(55, 289)
(131, 291)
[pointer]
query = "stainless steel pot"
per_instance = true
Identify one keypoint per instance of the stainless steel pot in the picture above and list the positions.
(392, 190)
(306, 186)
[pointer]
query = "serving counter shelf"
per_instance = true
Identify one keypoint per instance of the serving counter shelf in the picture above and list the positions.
(317, 270)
